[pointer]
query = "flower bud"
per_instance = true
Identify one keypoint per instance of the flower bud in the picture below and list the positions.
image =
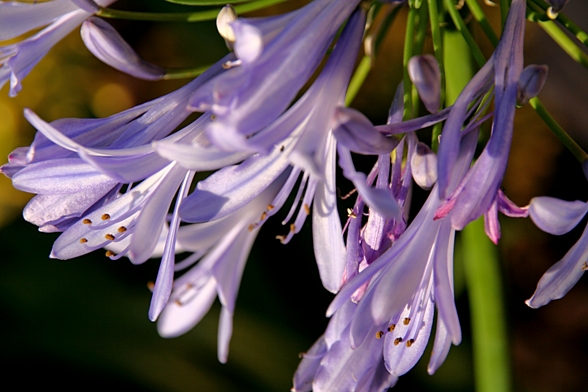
(424, 166)
(556, 6)
(225, 17)
(531, 82)
(426, 76)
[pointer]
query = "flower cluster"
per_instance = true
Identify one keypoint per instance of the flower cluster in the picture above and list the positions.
(273, 127)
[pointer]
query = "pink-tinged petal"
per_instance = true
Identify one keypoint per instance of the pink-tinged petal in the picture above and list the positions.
(563, 275)
(107, 45)
(556, 216)
(491, 224)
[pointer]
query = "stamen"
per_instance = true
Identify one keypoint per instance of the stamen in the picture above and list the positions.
(178, 302)
(292, 228)
(281, 238)
(151, 286)
(109, 253)
(306, 209)
(351, 214)
(392, 327)
(122, 229)
(379, 334)
(406, 321)
(87, 221)
(409, 342)
(83, 240)
(105, 217)
(397, 341)
(109, 237)
(270, 207)
(251, 227)
(263, 216)
(212, 117)
(231, 64)
(585, 266)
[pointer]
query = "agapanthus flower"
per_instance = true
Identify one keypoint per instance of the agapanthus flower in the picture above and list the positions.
(60, 16)
(474, 195)
(302, 144)
(275, 58)
(558, 217)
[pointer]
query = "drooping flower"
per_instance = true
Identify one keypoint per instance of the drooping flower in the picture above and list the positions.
(61, 16)
(558, 217)
(474, 195)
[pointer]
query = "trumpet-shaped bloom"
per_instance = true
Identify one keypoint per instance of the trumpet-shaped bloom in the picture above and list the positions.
(477, 191)
(557, 217)
(61, 16)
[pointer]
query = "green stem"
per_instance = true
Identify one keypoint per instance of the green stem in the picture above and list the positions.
(555, 32)
(437, 39)
(489, 336)
(462, 28)
(361, 73)
(480, 17)
(184, 72)
(198, 16)
(408, 50)
(504, 7)
(559, 132)
(573, 28)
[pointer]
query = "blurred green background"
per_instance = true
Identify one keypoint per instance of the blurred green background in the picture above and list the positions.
(82, 324)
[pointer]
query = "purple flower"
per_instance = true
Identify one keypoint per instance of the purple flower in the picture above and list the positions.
(61, 16)
(395, 277)
(557, 217)
(275, 58)
(298, 142)
(474, 195)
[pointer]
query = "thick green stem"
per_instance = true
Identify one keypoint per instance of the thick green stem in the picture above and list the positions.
(462, 28)
(408, 50)
(573, 28)
(489, 336)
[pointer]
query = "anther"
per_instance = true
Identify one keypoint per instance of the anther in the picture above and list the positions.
(379, 334)
(178, 302)
(212, 117)
(585, 266)
(105, 217)
(270, 207)
(397, 341)
(392, 327)
(83, 240)
(490, 3)
(109, 253)
(122, 229)
(551, 14)
(406, 321)
(306, 209)
(87, 222)
(292, 227)
(150, 286)
(351, 214)
(409, 342)
(263, 216)
(109, 237)
(282, 148)
(251, 227)
(281, 238)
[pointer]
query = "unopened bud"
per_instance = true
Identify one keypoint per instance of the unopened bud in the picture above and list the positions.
(531, 82)
(225, 17)
(426, 76)
(556, 6)
(424, 166)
